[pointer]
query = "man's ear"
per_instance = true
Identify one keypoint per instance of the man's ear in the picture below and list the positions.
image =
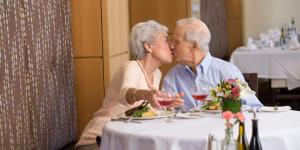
(194, 47)
(147, 46)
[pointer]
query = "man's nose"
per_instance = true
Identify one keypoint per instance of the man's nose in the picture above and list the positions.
(172, 46)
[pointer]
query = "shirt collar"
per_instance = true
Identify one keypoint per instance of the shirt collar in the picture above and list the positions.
(203, 66)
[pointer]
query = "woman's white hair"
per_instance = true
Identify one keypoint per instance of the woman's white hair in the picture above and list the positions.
(141, 33)
(196, 32)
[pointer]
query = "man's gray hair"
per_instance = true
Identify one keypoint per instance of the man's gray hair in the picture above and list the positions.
(141, 33)
(196, 32)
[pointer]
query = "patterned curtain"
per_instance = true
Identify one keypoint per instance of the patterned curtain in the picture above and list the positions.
(37, 103)
(214, 15)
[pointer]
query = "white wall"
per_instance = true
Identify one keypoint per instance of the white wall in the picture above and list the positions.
(260, 15)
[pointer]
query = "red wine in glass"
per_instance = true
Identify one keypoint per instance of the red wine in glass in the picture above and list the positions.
(164, 102)
(200, 97)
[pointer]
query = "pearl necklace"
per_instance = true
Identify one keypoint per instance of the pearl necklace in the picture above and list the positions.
(146, 77)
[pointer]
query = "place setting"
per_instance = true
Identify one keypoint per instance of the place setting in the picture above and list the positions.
(145, 112)
(275, 109)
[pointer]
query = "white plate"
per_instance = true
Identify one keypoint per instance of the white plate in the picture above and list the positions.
(244, 108)
(211, 111)
(160, 115)
(204, 110)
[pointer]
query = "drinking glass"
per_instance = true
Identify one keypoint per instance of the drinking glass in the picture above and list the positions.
(200, 93)
(166, 101)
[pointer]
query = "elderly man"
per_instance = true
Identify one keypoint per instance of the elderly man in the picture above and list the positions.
(196, 66)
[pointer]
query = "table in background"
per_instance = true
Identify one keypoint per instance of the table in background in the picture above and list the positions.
(282, 67)
(270, 63)
(277, 130)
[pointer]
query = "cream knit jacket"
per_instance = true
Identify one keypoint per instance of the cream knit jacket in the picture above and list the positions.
(128, 76)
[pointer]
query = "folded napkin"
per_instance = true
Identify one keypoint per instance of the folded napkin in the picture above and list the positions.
(275, 109)
(294, 43)
(250, 44)
(274, 34)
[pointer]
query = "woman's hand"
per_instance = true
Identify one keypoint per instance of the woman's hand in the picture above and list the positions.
(152, 96)
(178, 101)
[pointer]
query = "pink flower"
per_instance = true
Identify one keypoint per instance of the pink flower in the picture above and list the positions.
(227, 115)
(240, 116)
(235, 91)
(230, 81)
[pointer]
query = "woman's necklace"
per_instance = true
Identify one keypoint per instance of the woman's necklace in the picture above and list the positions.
(146, 77)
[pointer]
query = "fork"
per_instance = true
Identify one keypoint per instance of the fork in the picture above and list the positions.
(130, 120)
(177, 110)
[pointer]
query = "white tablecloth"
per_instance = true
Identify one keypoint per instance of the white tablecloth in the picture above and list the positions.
(271, 63)
(277, 130)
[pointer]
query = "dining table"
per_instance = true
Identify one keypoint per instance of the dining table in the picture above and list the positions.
(278, 130)
(281, 66)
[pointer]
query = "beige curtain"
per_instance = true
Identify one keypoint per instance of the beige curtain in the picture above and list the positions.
(37, 104)
(214, 15)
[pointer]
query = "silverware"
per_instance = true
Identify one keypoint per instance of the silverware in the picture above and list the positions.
(212, 142)
(126, 120)
(177, 110)
(130, 120)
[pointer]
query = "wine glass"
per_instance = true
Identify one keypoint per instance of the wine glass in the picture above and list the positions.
(166, 100)
(200, 93)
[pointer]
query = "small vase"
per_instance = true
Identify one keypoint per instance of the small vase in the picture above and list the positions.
(231, 105)
(229, 143)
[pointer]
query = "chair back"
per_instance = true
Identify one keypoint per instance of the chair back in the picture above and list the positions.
(251, 79)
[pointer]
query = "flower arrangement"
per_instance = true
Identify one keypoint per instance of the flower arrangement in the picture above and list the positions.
(229, 93)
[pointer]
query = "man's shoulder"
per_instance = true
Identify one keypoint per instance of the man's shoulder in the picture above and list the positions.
(222, 64)
(226, 69)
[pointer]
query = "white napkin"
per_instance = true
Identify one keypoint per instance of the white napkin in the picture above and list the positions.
(250, 44)
(275, 109)
(274, 34)
(265, 40)
(294, 43)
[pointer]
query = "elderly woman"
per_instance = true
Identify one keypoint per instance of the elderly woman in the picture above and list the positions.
(135, 81)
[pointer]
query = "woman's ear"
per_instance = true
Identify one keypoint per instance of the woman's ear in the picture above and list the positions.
(147, 46)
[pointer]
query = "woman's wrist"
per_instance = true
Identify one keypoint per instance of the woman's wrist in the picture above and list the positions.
(134, 97)
(130, 95)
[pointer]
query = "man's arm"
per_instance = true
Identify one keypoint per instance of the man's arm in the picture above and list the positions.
(247, 98)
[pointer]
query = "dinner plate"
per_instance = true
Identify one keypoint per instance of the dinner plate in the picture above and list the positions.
(211, 111)
(244, 108)
(195, 110)
(160, 114)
